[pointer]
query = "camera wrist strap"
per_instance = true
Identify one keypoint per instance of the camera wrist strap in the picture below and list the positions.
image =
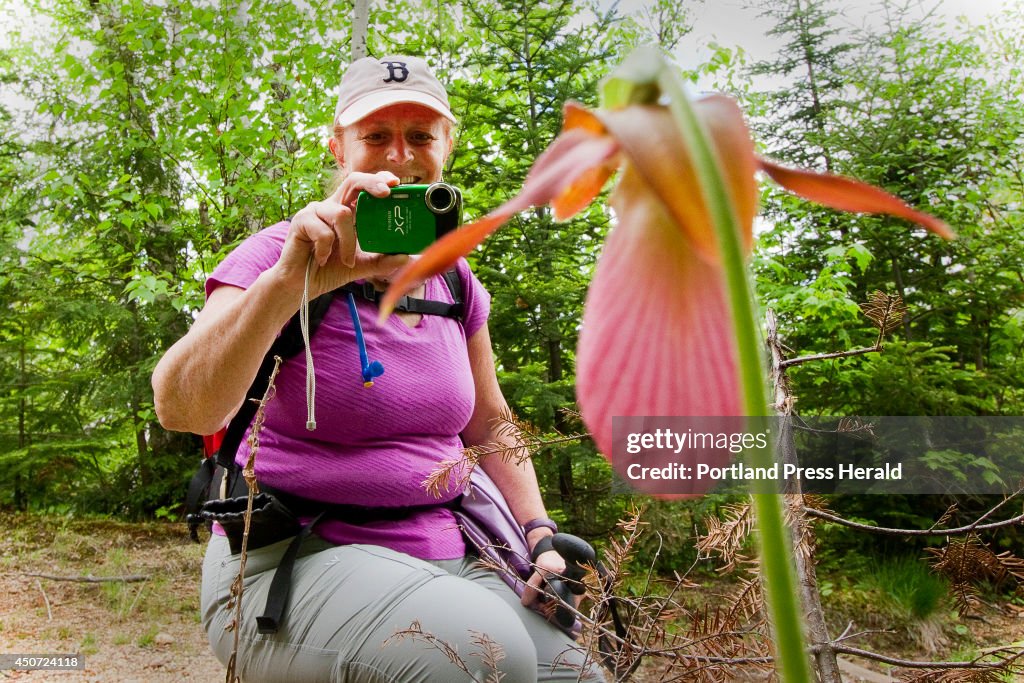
(304, 326)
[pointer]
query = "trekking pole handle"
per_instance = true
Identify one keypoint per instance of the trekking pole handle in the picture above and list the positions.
(576, 552)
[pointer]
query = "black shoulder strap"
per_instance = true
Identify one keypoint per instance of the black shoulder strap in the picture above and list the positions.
(287, 344)
(454, 282)
(408, 304)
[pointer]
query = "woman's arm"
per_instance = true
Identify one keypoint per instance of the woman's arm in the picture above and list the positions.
(517, 481)
(203, 377)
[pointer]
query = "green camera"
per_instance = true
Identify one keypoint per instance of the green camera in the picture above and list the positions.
(408, 220)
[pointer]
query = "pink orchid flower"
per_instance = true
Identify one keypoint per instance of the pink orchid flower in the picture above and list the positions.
(685, 207)
(671, 350)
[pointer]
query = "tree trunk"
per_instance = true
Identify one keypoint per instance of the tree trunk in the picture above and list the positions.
(139, 425)
(20, 498)
(801, 532)
(806, 41)
(360, 21)
(566, 483)
(897, 277)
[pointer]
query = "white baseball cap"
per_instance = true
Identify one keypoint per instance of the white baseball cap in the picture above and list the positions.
(371, 84)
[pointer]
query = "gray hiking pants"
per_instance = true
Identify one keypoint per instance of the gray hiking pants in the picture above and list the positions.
(347, 603)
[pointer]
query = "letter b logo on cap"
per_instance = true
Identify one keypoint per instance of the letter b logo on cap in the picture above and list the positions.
(397, 72)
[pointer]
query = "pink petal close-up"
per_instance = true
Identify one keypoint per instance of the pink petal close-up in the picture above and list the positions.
(657, 336)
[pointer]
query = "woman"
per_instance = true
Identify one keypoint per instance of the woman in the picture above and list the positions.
(356, 585)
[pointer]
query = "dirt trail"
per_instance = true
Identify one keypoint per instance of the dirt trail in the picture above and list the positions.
(146, 631)
(149, 631)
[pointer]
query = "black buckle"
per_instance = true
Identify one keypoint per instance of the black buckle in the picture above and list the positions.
(194, 521)
(369, 292)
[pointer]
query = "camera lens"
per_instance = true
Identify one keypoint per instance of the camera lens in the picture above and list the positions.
(440, 197)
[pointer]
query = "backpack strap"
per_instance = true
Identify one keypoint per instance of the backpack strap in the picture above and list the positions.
(287, 345)
(454, 282)
(408, 304)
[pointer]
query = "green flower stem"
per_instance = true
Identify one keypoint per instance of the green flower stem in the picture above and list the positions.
(780, 579)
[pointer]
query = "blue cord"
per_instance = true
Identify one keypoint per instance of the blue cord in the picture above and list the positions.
(369, 370)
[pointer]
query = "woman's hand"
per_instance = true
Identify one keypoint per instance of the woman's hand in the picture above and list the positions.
(326, 229)
(537, 594)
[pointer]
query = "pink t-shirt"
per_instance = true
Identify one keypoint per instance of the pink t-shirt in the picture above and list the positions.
(372, 446)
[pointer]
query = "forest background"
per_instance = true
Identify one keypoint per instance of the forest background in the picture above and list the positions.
(141, 141)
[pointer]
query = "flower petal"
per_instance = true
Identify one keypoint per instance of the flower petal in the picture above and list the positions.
(656, 338)
(574, 155)
(724, 120)
(846, 194)
(582, 191)
(654, 146)
(575, 115)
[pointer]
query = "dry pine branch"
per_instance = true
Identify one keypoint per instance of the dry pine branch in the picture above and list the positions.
(885, 311)
(517, 442)
(725, 538)
(89, 578)
(249, 473)
(966, 562)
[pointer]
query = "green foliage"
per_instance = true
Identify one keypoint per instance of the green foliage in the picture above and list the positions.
(905, 379)
(962, 468)
(916, 111)
(811, 61)
(87, 646)
(669, 542)
(160, 137)
(52, 476)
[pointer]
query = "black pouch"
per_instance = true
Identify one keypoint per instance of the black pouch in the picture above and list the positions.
(271, 520)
